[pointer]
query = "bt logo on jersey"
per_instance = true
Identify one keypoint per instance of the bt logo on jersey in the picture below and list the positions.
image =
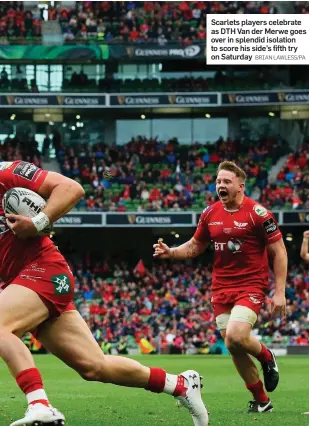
(233, 245)
(219, 246)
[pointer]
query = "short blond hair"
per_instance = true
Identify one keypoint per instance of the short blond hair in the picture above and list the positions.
(230, 166)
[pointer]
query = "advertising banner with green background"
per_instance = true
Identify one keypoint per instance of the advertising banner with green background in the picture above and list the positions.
(102, 51)
(56, 53)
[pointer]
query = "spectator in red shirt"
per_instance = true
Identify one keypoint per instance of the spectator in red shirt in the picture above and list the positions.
(155, 194)
(201, 35)
(302, 340)
(302, 160)
(148, 6)
(90, 203)
(215, 158)
(165, 173)
(281, 174)
(134, 34)
(199, 163)
(94, 308)
(171, 198)
(126, 192)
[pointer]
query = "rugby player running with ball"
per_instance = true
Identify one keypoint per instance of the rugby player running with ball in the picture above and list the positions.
(37, 297)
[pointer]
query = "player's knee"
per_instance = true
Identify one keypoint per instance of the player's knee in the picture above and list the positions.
(234, 340)
(8, 328)
(90, 371)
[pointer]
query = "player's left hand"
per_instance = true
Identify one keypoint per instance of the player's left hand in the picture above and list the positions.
(21, 226)
(278, 305)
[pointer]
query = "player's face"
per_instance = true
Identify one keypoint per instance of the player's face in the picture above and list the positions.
(228, 187)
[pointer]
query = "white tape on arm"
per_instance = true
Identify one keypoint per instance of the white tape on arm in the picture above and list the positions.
(40, 221)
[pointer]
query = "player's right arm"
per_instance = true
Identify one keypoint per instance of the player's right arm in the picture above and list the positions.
(304, 251)
(62, 194)
(188, 250)
(192, 248)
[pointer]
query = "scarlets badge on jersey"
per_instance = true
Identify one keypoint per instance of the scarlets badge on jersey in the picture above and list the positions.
(260, 210)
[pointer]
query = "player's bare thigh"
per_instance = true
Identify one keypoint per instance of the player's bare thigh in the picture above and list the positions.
(240, 324)
(69, 338)
(21, 309)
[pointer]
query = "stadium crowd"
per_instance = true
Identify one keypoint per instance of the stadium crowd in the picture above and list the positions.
(19, 22)
(129, 21)
(149, 175)
(294, 181)
(301, 6)
(143, 22)
(20, 148)
(168, 306)
(82, 82)
(220, 81)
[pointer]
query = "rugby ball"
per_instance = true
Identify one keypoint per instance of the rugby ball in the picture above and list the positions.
(24, 202)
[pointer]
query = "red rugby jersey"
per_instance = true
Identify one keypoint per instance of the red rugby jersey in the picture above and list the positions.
(16, 254)
(240, 239)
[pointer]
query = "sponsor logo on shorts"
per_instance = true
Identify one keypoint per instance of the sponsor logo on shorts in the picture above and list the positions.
(260, 210)
(30, 277)
(61, 283)
(34, 267)
(255, 299)
(25, 170)
(270, 226)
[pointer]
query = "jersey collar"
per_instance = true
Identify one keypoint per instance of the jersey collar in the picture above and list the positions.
(236, 210)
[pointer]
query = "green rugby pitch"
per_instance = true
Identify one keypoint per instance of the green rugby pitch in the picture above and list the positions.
(95, 404)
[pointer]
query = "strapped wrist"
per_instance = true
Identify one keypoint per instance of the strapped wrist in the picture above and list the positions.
(40, 221)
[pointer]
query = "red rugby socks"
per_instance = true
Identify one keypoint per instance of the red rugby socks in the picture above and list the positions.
(265, 355)
(160, 381)
(30, 382)
(257, 390)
